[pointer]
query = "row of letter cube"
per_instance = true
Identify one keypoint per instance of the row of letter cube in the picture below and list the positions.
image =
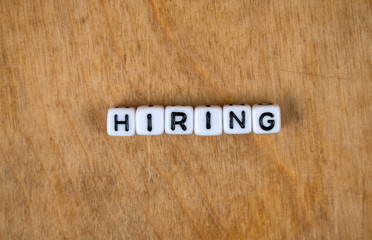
(202, 120)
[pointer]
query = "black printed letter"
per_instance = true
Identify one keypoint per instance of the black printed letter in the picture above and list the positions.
(126, 122)
(272, 122)
(181, 122)
(149, 122)
(233, 116)
(208, 120)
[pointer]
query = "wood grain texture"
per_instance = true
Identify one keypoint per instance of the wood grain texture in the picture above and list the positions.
(64, 63)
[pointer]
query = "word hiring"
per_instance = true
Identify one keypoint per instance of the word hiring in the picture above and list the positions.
(203, 120)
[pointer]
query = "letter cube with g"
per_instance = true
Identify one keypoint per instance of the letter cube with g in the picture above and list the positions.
(266, 118)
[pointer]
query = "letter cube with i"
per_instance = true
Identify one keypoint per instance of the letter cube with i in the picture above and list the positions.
(150, 120)
(208, 120)
(179, 119)
(237, 119)
(266, 118)
(121, 121)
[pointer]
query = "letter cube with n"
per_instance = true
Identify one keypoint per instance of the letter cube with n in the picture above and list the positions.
(266, 118)
(237, 119)
(121, 121)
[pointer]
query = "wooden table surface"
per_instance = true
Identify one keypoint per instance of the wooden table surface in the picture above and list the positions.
(64, 63)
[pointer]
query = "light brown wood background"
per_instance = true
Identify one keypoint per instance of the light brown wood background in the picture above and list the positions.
(64, 63)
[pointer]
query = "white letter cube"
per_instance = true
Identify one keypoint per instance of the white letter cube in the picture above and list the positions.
(150, 120)
(121, 121)
(179, 120)
(266, 118)
(237, 119)
(208, 120)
